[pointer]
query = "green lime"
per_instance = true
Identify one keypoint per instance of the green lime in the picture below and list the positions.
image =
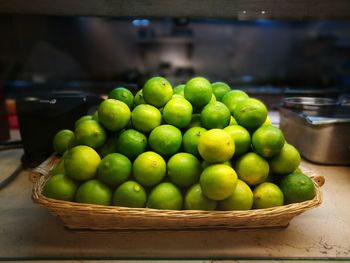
(131, 143)
(232, 121)
(123, 95)
(198, 91)
(130, 194)
(165, 140)
(165, 196)
(114, 169)
(231, 98)
(95, 116)
(195, 121)
(113, 114)
(220, 89)
(94, 192)
(81, 163)
(297, 187)
(149, 168)
(250, 113)
(286, 161)
(267, 195)
(218, 181)
(90, 133)
(215, 115)
(110, 146)
(63, 140)
(145, 118)
(268, 140)
(252, 168)
(138, 100)
(82, 119)
(157, 91)
(205, 164)
(196, 200)
(60, 187)
(240, 199)
(241, 138)
(183, 169)
(178, 112)
(190, 140)
(180, 90)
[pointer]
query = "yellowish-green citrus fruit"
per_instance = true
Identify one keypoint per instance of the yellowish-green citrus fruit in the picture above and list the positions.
(220, 89)
(114, 169)
(198, 91)
(232, 121)
(179, 89)
(122, 94)
(81, 163)
(131, 143)
(250, 113)
(110, 146)
(267, 121)
(205, 164)
(216, 146)
(183, 169)
(138, 99)
(95, 116)
(178, 112)
(218, 181)
(297, 187)
(252, 168)
(190, 140)
(149, 168)
(60, 187)
(157, 91)
(215, 115)
(165, 196)
(130, 194)
(145, 118)
(113, 114)
(82, 119)
(267, 195)
(241, 138)
(240, 199)
(94, 192)
(165, 140)
(268, 140)
(286, 161)
(231, 98)
(90, 133)
(63, 140)
(195, 121)
(196, 200)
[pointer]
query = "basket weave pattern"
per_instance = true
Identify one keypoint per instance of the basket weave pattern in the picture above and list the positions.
(97, 217)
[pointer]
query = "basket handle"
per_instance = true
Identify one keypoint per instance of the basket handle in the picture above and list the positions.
(319, 180)
(43, 168)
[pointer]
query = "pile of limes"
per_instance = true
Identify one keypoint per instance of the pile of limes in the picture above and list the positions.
(198, 146)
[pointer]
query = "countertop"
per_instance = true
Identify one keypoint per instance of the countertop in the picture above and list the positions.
(29, 232)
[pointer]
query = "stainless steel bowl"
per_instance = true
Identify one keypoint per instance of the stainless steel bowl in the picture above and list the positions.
(315, 106)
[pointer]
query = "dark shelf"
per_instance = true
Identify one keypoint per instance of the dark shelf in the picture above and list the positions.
(232, 9)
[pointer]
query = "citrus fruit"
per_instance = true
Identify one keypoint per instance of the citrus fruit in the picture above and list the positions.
(267, 121)
(183, 169)
(198, 91)
(82, 119)
(94, 192)
(176, 96)
(205, 164)
(216, 146)
(196, 200)
(250, 113)
(213, 98)
(268, 140)
(240, 199)
(165, 196)
(110, 145)
(131, 143)
(122, 94)
(113, 114)
(190, 140)
(145, 118)
(130, 194)
(218, 181)
(157, 91)
(267, 195)
(95, 116)
(149, 168)
(63, 140)
(60, 187)
(252, 168)
(90, 133)
(114, 169)
(241, 138)
(220, 89)
(195, 121)
(231, 98)
(286, 161)
(297, 187)
(138, 99)
(215, 115)
(233, 121)
(178, 112)
(179, 89)
(59, 167)
(81, 163)
(165, 140)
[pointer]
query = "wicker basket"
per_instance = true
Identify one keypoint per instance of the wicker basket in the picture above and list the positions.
(97, 217)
